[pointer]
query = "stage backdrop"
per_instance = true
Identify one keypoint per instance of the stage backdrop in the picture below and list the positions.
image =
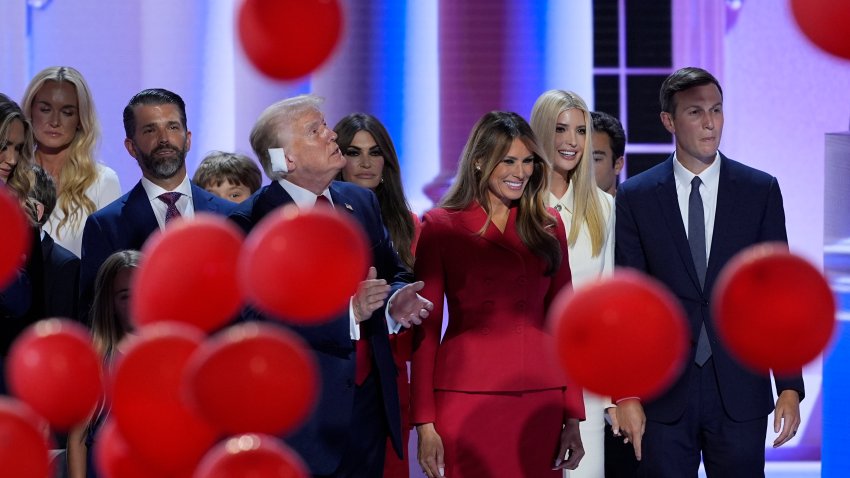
(430, 68)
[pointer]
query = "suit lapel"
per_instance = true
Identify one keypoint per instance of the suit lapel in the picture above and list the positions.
(474, 217)
(723, 215)
(138, 217)
(669, 205)
(340, 200)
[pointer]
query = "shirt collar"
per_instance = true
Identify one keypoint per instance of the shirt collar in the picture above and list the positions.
(153, 191)
(710, 176)
(303, 198)
(567, 201)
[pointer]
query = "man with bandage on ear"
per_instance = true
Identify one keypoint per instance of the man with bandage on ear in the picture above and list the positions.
(358, 407)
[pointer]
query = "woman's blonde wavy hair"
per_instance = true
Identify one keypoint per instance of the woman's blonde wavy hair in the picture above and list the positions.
(80, 172)
(588, 207)
(21, 178)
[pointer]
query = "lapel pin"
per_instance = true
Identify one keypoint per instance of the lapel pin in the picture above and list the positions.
(348, 206)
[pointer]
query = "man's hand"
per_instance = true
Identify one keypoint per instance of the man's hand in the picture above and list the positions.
(370, 296)
(632, 422)
(786, 416)
(409, 308)
(571, 447)
(431, 456)
(615, 422)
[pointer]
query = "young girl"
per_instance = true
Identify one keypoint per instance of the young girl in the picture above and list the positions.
(110, 324)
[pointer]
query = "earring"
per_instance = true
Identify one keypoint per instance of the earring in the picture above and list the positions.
(382, 180)
(478, 168)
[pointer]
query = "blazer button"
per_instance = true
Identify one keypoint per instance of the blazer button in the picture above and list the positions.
(485, 331)
(518, 330)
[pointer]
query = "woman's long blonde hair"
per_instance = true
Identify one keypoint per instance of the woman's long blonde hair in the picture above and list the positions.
(20, 181)
(80, 172)
(489, 142)
(588, 207)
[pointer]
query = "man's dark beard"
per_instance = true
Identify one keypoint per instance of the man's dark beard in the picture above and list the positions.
(163, 168)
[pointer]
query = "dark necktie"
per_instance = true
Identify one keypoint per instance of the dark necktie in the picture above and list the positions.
(321, 200)
(170, 200)
(363, 354)
(696, 239)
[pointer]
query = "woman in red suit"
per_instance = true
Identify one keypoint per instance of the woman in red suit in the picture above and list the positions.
(372, 162)
(488, 400)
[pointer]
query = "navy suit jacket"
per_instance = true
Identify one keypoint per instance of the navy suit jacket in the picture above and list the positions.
(651, 237)
(126, 223)
(321, 441)
(61, 280)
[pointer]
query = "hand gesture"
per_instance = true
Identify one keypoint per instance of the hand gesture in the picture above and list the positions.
(409, 308)
(370, 296)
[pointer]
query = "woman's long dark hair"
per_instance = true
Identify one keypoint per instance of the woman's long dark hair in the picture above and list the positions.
(394, 208)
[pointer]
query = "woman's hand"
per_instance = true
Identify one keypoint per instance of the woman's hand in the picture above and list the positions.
(571, 447)
(431, 457)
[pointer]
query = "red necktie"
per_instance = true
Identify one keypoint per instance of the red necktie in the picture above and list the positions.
(363, 354)
(170, 200)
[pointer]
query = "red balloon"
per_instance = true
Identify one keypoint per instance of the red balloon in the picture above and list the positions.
(623, 336)
(148, 406)
(23, 441)
(773, 309)
(825, 22)
(251, 456)
(114, 458)
(53, 367)
(253, 378)
(16, 236)
(288, 39)
(285, 264)
(189, 275)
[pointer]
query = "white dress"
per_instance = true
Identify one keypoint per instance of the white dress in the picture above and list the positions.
(586, 269)
(102, 192)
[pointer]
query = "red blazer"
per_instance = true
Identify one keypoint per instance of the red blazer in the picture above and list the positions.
(497, 339)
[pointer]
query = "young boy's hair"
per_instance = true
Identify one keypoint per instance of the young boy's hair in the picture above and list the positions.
(219, 166)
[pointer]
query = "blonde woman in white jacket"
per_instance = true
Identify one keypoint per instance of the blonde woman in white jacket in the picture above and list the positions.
(562, 123)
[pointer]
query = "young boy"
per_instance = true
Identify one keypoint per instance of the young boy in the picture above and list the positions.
(229, 176)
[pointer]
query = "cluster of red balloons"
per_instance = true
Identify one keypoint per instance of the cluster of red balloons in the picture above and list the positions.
(174, 392)
(288, 39)
(627, 336)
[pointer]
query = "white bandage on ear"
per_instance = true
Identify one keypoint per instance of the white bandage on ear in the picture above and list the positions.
(278, 159)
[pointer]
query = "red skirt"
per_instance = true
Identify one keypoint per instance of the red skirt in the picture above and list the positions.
(500, 434)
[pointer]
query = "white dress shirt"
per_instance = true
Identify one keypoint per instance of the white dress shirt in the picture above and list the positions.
(184, 204)
(710, 178)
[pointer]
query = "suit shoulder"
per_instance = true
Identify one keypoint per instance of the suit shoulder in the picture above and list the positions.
(647, 179)
(744, 172)
(213, 202)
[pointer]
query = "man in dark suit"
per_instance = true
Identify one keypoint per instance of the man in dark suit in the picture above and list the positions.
(158, 139)
(358, 407)
(61, 266)
(681, 222)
